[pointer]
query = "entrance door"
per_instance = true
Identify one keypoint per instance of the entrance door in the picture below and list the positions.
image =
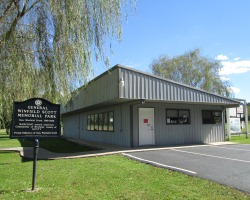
(146, 126)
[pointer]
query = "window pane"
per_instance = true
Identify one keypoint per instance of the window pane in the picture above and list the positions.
(211, 116)
(96, 122)
(184, 116)
(177, 116)
(217, 117)
(88, 122)
(105, 121)
(207, 117)
(111, 121)
(172, 113)
(92, 122)
(172, 116)
(100, 122)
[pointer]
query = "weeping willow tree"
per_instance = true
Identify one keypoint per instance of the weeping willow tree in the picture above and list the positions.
(193, 69)
(47, 46)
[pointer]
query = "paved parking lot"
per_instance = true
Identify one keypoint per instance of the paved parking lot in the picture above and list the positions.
(225, 164)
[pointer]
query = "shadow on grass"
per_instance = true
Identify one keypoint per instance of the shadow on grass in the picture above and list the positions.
(3, 134)
(24, 159)
(54, 145)
(15, 191)
(7, 163)
(58, 145)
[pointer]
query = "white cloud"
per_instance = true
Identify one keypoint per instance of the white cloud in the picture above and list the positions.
(221, 57)
(235, 67)
(235, 90)
(236, 59)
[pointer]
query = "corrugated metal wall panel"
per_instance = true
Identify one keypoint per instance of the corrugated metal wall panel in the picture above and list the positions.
(194, 133)
(71, 126)
(120, 136)
(101, 89)
(165, 134)
(144, 86)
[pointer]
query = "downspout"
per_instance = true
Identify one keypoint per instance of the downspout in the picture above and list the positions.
(131, 126)
(79, 125)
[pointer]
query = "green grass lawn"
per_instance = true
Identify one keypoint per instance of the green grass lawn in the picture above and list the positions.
(240, 139)
(244, 130)
(106, 177)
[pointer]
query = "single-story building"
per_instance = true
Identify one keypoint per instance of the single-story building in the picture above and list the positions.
(127, 107)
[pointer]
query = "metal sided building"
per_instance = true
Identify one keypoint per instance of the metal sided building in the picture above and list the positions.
(130, 108)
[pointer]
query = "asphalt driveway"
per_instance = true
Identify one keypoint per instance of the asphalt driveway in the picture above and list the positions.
(225, 164)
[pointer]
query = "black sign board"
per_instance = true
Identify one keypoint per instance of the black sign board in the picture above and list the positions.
(35, 118)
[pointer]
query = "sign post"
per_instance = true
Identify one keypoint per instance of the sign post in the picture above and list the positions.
(36, 146)
(34, 119)
(246, 118)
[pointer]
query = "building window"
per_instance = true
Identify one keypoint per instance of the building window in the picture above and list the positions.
(101, 121)
(212, 116)
(177, 116)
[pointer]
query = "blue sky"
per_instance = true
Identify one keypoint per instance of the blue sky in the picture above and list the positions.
(219, 28)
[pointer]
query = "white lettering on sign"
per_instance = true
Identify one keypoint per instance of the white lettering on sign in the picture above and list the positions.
(38, 107)
(53, 112)
(35, 117)
(28, 111)
(30, 115)
(50, 116)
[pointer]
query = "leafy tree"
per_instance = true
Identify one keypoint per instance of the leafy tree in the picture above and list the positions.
(192, 69)
(47, 46)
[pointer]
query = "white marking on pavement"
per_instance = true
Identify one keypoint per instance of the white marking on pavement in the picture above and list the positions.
(159, 164)
(229, 148)
(201, 154)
